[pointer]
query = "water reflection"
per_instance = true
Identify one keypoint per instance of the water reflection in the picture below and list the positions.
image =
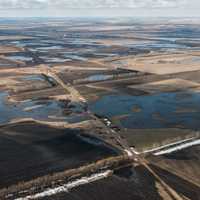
(47, 110)
(155, 111)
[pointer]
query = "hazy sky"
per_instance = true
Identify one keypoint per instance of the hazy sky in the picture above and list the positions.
(99, 8)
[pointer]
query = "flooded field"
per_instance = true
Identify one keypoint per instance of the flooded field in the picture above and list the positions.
(81, 98)
(30, 109)
(21, 58)
(165, 110)
(44, 110)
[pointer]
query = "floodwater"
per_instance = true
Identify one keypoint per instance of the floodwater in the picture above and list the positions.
(164, 110)
(75, 57)
(47, 110)
(50, 48)
(54, 59)
(27, 109)
(159, 45)
(20, 58)
(99, 77)
(33, 78)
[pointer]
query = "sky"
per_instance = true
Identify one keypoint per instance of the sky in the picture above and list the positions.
(71, 8)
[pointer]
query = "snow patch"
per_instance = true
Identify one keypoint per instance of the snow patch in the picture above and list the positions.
(178, 148)
(168, 145)
(129, 153)
(68, 186)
